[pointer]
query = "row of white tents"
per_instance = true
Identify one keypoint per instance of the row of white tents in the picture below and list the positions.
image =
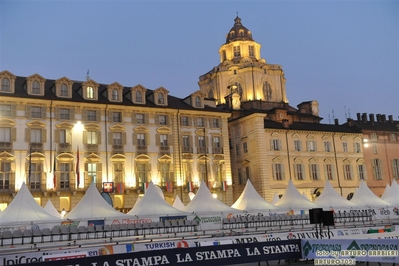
(24, 208)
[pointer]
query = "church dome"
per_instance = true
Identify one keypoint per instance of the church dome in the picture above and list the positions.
(238, 32)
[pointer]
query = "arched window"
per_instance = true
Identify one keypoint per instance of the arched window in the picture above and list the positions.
(139, 97)
(115, 95)
(197, 101)
(35, 87)
(90, 93)
(64, 90)
(267, 91)
(5, 84)
(160, 98)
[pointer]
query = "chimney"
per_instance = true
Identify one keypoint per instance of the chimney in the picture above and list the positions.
(285, 123)
(390, 117)
(358, 116)
(364, 117)
(336, 121)
(378, 117)
(371, 116)
(384, 118)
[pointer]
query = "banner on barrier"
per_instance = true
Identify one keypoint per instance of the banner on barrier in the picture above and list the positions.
(348, 251)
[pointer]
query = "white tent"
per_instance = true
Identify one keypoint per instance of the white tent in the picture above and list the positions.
(204, 202)
(152, 204)
(330, 198)
(250, 200)
(178, 204)
(275, 199)
(392, 195)
(51, 209)
(365, 197)
(292, 199)
(92, 206)
(24, 208)
(387, 187)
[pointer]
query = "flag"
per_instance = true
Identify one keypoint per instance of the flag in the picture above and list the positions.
(120, 188)
(224, 186)
(190, 186)
(77, 169)
(144, 186)
(54, 174)
(169, 186)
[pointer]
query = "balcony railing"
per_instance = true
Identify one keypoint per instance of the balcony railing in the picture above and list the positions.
(217, 150)
(36, 147)
(187, 149)
(202, 150)
(5, 146)
(141, 149)
(92, 148)
(65, 147)
(165, 149)
(117, 148)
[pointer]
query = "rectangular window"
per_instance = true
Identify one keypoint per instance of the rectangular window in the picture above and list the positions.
(374, 147)
(314, 172)
(63, 136)
(186, 141)
(395, 168)
(348, 174)
(362, 171)
(118, 172)
(163, 120)
(142, 173)
(92, 172)
(163, 140)
(251, 50)
(5, 134)
(91, 115)
(36, 112)
(215, 122)
(358, 147)
(299, 171)
(201, 144)
(224, 55)
(64, 175)
(184, 121)
(311, 145)
(187, 171)
(237, 51)
(5, 110)
(329, 168)
(140, 118)
(327, 146)
(297, 145)
(245, 147)
(65, 114)
(35, 175)
(5, 175)
(92, 137)
(276, 145)
(117, 138)
(200, 122)
(116, 116)
(392, 137)
(374, 136)
(278, 172)
(377, 169)
(237, 149)
(35, 135)
(345, 146)
(141, 139)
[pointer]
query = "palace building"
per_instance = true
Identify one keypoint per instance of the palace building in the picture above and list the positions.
(60, 135)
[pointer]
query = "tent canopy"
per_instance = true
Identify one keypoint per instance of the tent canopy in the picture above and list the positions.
(392, 195)
(330, 198)
(250, 200)
(294, 200)
(365, 197)
(51, 209)
(24, 208)
(178, 204)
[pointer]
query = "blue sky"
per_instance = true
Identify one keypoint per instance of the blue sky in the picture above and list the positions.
(344, 54)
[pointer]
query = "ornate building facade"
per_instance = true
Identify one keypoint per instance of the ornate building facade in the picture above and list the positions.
(60, 135)
(272, 142)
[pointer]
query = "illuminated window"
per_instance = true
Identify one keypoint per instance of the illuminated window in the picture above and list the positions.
(117, 138)
(163, 140)
(140, 118)
(92, 137)
(35, 175)
(5, 175)
(36, 112)
(65, 169)
(251, 50)
(237, 52)
(141, 139)
(89, 93)
(65, 113)
(163, 120)
(92, 172)
(5, 134)
(115, 95)
(36, 135)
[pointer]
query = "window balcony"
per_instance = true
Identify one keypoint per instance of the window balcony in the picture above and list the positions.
(92, 148)
(6, 146)
(187, 149)
(65, 147)
(36, 147)
(164, 150)
(141, 149)
(202, 150)
(217, 150)
(117, 148)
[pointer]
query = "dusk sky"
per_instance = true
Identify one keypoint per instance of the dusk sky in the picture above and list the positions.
(344, 54)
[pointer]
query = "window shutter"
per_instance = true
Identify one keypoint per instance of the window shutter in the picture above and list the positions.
(57, 113)
(146, 118)
(282, 172)
(69, 136)
(98, 115)
(85, 137)
(134, 141)
(123, 138)
(315, 145)
(157, 136)
(13, 110)
(84, 115)
(134, 120)
(157, 119)
(27, 111)
(147, 139)
(27, 134)
(72, 113)
(99, 137)
(44, 135)
(271, 144)
(44, 112)
(274, 171)
(110, 138)
(99, 172)
(57, 136)
(13, 134)
(109, 116)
